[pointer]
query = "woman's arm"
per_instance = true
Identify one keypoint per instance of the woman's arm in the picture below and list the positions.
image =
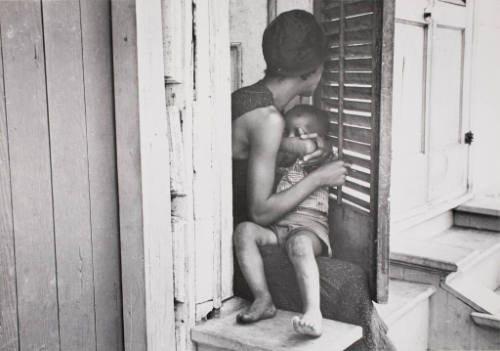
(313, 149)
(265, 206)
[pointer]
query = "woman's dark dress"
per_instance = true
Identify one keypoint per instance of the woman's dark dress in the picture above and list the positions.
(344, 287)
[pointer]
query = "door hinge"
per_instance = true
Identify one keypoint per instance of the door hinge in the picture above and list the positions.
(469, 137)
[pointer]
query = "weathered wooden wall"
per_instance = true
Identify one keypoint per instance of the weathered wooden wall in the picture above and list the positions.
(59, 254)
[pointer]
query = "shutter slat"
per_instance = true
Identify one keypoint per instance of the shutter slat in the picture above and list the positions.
(348, 104)
(331, 91)
(359, 23)
(357, 161)
(365, 189)
(348, 118)
(365, 177)
(358, 134)
(331, 27)
(345, 196)
(358, 37)
(358, 65)
(332, 66)
(358, 7)
(331, 12)
(357, 105)
(364, 78)
(354, 37)
(350, 92)
(361, 135)
(358, 93)
(361, 202)
(356, 51)
(352, 146)
(358, 78)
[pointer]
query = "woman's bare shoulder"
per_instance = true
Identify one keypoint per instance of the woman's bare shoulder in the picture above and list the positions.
(265, 117)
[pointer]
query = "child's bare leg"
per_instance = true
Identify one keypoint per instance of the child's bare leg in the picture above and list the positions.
(248, 237)
(302, 249)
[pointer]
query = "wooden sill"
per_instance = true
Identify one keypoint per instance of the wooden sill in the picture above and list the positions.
(276, 334)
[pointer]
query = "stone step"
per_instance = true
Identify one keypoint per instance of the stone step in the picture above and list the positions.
(408, 306)
(274, 334)
(479, 213)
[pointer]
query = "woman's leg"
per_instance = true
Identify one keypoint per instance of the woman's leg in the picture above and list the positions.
(302, 249)
(248, 237)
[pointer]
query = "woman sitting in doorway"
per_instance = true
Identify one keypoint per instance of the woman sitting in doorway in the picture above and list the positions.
(294, 51)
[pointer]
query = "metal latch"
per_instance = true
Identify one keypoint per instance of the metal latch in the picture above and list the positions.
(469, 137)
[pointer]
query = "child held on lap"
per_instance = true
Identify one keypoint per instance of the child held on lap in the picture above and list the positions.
(303, 233)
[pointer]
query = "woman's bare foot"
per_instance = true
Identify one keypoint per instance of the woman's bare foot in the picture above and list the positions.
(310, 324)
(261, 308)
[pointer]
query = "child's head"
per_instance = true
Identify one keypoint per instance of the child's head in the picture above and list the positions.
(307, 117)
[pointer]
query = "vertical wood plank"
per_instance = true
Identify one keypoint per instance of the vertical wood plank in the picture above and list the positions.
(98, 80)
(128, 166)
(204, 181)
(178, 195)
(221, 80)
(143, 175)
(68, 146)
(24, 76)
(173, 40)
(8, 294)
(211, 146)
(387, 24)
(181, 96)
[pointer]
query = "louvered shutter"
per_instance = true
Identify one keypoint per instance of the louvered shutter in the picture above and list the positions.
(356, 91)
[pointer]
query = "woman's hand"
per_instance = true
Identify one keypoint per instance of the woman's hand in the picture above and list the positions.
(332, 173)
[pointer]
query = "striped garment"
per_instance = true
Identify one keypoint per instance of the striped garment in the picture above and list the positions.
(318, 200)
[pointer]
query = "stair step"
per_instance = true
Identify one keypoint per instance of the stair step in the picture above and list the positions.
(274, 334)
(486, 320)
(403, 297)
(445, 252)
(479, 213)
(408, 306)
(479, 297)
(428, 254)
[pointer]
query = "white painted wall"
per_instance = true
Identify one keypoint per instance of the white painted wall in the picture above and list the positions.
(248, 19)
(287, 5)
(485, 99)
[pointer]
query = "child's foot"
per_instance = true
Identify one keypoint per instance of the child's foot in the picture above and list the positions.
(262, 308)
(310, 324)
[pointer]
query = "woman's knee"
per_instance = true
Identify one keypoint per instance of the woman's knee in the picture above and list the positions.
(299, 246)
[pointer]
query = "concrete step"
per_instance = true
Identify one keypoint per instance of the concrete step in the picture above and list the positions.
(479, 213)
(408, 306)
(274, 334)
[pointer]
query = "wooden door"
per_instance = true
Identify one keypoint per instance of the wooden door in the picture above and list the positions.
(60, 286)
(430, 158)
(356, 91)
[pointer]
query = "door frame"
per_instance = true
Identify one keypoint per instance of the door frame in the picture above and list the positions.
(143, 175)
